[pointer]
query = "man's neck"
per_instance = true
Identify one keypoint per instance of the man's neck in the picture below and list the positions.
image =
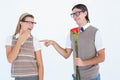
(82, 23)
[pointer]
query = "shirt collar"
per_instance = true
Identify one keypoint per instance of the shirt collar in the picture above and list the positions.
(86, 26)
(17, 35)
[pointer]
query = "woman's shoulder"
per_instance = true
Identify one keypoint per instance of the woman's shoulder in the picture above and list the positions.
(35, 38)
(9, 40)
(9, 37)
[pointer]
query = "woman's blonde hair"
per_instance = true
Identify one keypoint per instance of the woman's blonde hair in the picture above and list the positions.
(22, 18)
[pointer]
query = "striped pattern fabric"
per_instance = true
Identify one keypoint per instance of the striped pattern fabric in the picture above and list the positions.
(25, 64)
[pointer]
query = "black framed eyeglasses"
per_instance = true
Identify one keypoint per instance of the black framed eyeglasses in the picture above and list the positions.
(76, 13)
(29, 22)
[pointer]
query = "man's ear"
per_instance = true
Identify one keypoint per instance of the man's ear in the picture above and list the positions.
(85, 13)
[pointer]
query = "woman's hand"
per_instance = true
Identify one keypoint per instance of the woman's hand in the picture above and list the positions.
(25, 35)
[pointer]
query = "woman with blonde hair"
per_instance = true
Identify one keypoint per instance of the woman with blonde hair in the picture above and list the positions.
(24, 51)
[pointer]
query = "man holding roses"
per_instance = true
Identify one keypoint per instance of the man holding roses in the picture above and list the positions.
(86, 44)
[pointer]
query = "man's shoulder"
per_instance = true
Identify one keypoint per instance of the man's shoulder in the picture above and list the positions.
(93, 27)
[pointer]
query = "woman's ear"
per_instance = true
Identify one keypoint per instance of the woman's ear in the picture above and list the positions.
(21, 22)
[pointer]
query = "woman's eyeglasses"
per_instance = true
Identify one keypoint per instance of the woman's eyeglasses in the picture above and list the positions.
(29, 22)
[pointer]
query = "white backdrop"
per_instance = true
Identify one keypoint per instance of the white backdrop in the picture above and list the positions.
(53, 22)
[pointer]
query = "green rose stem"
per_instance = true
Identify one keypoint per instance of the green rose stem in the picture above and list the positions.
(75, 35)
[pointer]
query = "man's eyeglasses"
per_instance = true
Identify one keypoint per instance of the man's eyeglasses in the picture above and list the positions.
(76, 13)
(29, 22)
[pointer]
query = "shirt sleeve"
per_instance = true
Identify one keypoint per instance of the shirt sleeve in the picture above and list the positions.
(98, 41)
(9, 41)
(68, 41)
(37, 44)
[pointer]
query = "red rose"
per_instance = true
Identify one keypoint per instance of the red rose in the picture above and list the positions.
(75, 30)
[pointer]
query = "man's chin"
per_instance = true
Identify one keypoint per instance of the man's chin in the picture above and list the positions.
(77, 23)
(29, 29)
